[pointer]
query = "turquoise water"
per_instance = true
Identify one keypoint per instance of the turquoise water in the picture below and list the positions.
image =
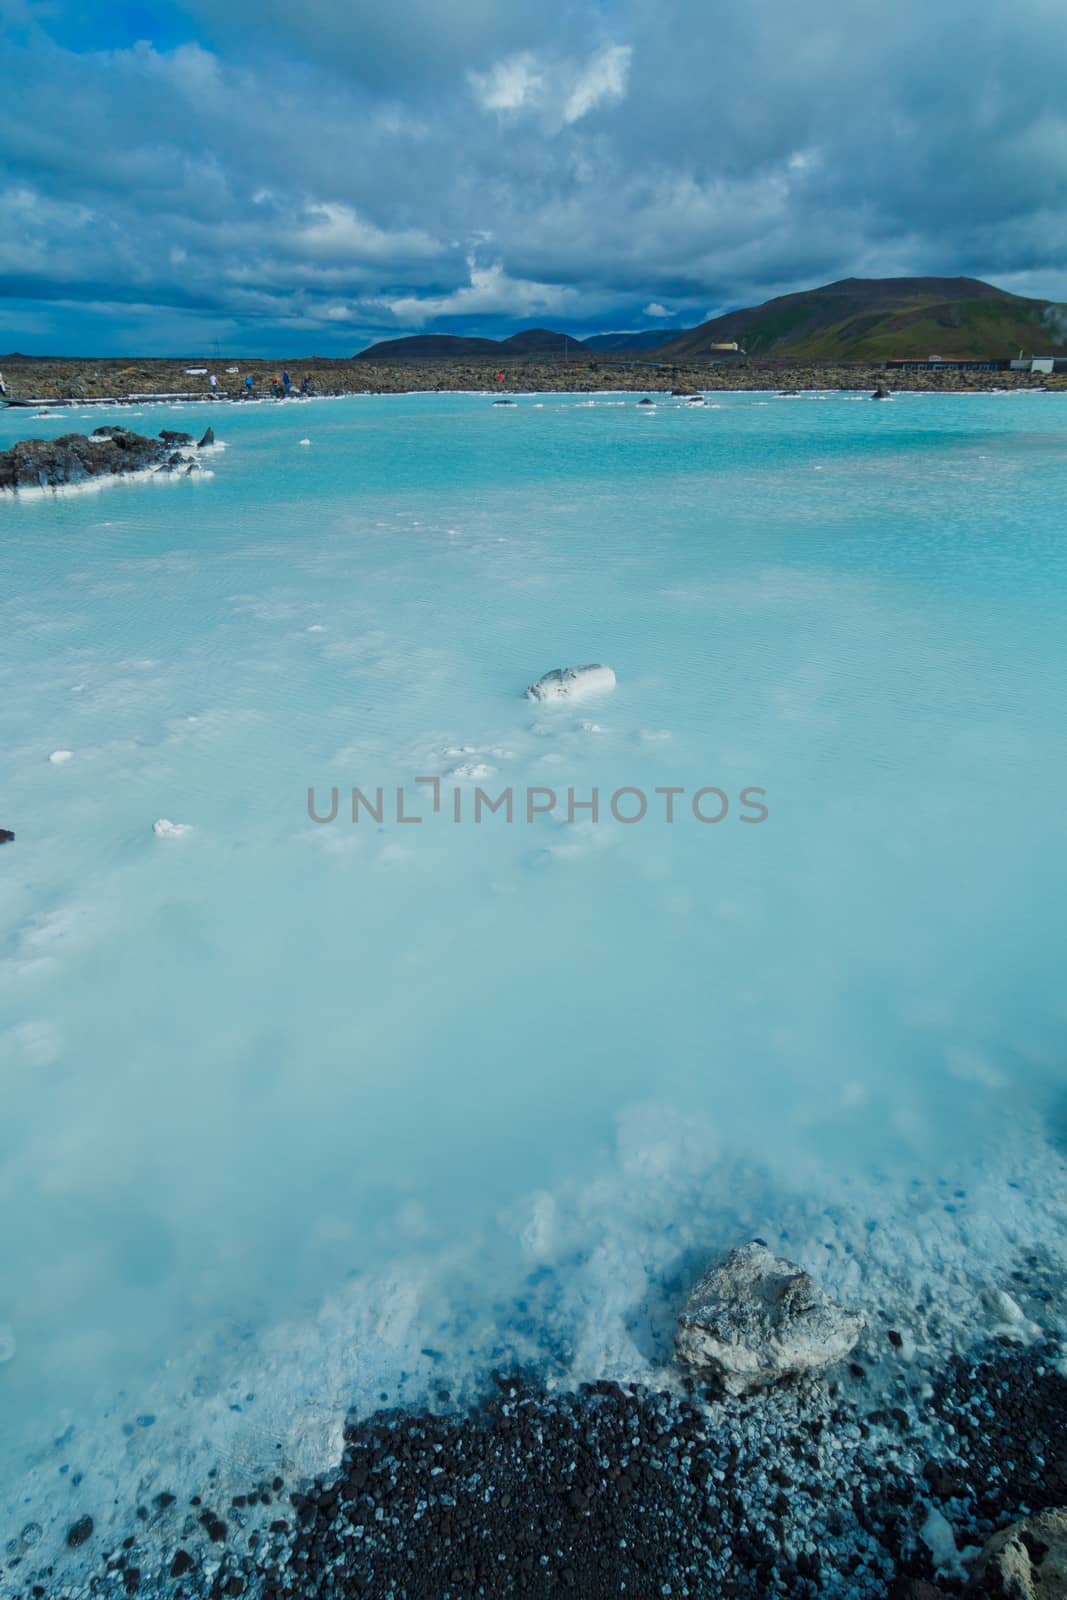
(307, 1101)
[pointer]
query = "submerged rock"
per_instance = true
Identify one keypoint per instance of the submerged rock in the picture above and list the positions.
(6, 836)
(79, 1532)
(1027, 1561)
(757, 1318)
(570, 683)
(76, 458)
(881, 393)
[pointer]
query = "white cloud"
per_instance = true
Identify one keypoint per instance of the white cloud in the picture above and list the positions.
(563, 91)
(603, 80)
(510, 85)
(337, 231)
(654, 309)
(490, 292)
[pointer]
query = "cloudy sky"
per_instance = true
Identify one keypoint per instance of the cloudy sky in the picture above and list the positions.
(306, 176)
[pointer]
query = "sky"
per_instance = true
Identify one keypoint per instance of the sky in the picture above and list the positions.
(287, 177)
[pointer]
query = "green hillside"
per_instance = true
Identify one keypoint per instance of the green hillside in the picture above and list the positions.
(878, 319)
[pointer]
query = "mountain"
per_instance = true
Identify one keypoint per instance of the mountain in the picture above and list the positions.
(423, 346)
(539, 341)
(648, 339)
(858, 319)
(877, 319)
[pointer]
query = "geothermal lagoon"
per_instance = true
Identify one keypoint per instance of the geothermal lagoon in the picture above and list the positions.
(304, 1118)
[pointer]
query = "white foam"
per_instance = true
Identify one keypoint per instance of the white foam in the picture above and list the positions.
(58, 757)
(472, 770)
(305, 441)
(106, 480)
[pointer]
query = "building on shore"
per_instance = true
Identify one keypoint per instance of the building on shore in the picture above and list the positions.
(1046, 364)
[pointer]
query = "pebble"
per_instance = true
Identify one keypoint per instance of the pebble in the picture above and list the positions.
(622, 1491)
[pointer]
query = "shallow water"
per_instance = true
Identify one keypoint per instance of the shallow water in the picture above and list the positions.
(326, 1112)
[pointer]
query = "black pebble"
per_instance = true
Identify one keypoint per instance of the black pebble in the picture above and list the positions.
(81, 1530)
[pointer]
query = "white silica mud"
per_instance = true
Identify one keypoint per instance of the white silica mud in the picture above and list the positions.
(366, 1024)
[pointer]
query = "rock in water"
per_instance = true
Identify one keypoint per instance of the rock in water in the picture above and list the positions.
(74, 458)
(1027, 1561)
(209, 438)
(881, 393)
(571, 683)
(6, 836)
(166, 829)
(79, 1531)
(757, 1318)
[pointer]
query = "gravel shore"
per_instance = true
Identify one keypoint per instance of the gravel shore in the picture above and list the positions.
(125, 380)
(841, 1487)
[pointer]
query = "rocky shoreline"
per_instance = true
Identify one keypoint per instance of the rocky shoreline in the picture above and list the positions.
(818, 1489)
(841, 1469)
(76, 459)
(68, 381)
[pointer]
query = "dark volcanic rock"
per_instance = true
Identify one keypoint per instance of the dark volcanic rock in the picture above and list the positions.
(80, 1532)
(209, 438)
(625, 1493)
(75, 458)
(6, 836)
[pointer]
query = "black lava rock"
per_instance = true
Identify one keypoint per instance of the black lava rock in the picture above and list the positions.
(76, 458)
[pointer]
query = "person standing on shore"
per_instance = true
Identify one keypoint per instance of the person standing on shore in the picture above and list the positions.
(248, 387)
(3, 385)
(287, 383)
(214, 382)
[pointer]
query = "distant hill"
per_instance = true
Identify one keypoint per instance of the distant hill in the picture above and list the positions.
(647, 339)
(858, 319)
(423, 346)
(878, 319)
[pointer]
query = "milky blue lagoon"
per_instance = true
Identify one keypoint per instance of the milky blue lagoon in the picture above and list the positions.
(303, 1115)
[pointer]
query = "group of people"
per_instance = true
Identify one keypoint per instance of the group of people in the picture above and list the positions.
(281, 385)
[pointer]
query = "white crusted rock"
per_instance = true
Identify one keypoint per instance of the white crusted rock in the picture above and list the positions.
(572, 683)
(756, 1318)
(166, 829)
(1027, 1561)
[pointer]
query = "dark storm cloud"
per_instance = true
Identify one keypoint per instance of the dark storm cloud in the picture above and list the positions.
(322, 173)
